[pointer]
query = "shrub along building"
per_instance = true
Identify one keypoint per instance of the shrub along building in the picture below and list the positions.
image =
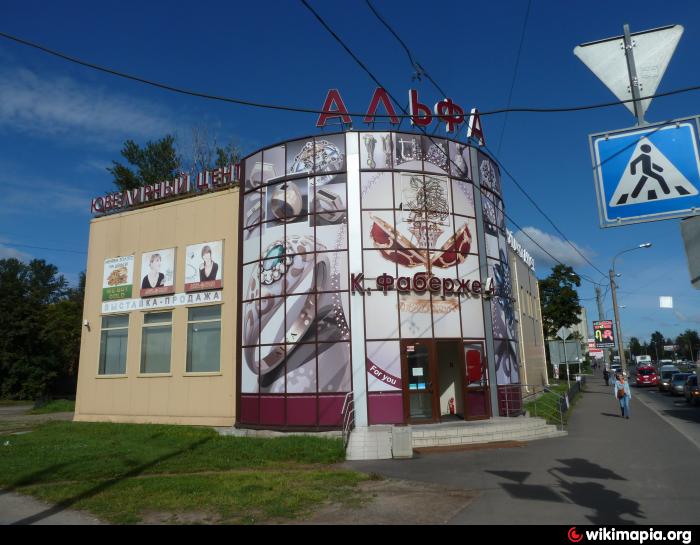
(371, 263)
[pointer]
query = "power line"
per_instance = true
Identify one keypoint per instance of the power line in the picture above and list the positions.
(374, 78)
(503, 168)
(515, 73)
(262, 105)
(12, 244)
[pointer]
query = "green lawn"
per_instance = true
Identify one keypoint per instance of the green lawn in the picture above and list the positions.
(546, 406)
(56, 406)
(123, 472)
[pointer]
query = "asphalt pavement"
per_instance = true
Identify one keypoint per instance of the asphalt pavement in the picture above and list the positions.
(607, 471)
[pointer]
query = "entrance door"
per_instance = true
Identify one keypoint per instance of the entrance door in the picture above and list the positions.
(420, 392)
(477, 404)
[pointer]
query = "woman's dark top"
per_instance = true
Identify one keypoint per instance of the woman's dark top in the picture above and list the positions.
(146, 284)
(212, 275)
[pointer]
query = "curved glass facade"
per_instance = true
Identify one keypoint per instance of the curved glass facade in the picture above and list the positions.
(320, 211)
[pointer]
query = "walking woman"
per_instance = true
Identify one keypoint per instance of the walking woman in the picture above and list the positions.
(622, 392)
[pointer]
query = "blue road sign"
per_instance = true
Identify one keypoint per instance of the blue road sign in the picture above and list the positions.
(647, 173)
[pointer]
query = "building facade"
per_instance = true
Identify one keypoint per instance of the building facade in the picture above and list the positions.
(371, 265)
(528, 315)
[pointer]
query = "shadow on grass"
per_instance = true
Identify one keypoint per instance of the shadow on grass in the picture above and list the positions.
(67, 503)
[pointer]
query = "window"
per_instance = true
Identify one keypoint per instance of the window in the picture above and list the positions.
(203, 339)
(155, 342)
(113, 342)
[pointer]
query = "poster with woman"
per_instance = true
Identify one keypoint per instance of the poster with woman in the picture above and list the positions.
(204, 266)
(117, 278)
(158, 272)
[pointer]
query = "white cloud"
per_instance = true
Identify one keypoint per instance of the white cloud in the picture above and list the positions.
(42, 196)
(558, 247)
(8, 252)
(60, 106)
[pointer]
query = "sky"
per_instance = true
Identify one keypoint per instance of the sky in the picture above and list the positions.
(61, 124)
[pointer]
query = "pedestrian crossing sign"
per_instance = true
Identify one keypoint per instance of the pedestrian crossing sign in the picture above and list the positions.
(647, 173)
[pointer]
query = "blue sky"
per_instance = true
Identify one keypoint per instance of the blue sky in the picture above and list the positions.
(61, 124)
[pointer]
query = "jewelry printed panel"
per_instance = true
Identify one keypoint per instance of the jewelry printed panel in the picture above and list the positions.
(489, 174)
(253, 171)
(408, 152)
(502, 304)
(376, 150)
(383, 366)
(377, 190)
(273, 164)
(329, 200)
(507, 366)
(460, 163)
(463, 198)
(436, 155)
(288, 202)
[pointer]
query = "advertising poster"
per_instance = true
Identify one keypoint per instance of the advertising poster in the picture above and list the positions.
(118, 277)
(204, 266)
(158, 272)
(603, 333)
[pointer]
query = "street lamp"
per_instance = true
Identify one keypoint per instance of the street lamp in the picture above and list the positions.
(620, 347)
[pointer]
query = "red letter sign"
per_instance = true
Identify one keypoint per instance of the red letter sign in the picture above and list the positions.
(420, 113)
(475, 129)
(380, 95)
(334, 107)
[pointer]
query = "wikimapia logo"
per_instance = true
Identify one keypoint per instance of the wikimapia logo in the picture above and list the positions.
(638, 536)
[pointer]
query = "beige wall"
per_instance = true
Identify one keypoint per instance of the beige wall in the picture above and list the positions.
(533, 363)
(177, 397)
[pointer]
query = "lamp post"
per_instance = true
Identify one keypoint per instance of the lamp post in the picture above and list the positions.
(620, 347)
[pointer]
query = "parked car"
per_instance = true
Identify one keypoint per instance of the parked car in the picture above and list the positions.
(691, 390)
(665, 374)
(646, 376)
(678, 383)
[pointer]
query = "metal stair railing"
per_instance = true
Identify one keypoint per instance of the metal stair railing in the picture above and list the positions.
(537, 399)
(348, 414)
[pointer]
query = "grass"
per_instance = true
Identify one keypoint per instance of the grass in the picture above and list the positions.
(56, 406)
(123, 472)
(547, 405)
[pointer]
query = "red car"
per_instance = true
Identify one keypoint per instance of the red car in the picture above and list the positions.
(646, 376)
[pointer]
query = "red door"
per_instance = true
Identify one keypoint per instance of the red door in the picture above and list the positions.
(476, 396)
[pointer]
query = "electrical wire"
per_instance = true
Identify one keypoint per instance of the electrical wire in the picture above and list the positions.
(515, 74)
(494, 156)
(12, 244)
(374, 78)
(297, 109)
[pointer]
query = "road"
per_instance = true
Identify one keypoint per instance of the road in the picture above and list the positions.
(608, 470)
(673, 409)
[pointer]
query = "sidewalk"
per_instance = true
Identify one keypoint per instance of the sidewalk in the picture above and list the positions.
(18, 509)
(609, 470)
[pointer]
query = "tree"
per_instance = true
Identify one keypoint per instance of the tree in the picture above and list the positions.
(635, 347)
(688, 343)
(208, 154)
(559, 299)
(656, 345)
(155, 162)
(40, 320)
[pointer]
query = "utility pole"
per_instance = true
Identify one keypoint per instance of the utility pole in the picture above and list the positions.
(620, 346)
(634, 80)
(601, 316)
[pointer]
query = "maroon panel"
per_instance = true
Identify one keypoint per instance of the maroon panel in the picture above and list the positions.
(272, 410)
(510, 400)
(385, 408)
(329, 410)
(301, 411)
(250, 410)
(476, 404)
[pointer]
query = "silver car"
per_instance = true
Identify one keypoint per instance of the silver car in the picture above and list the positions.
(678, 384)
